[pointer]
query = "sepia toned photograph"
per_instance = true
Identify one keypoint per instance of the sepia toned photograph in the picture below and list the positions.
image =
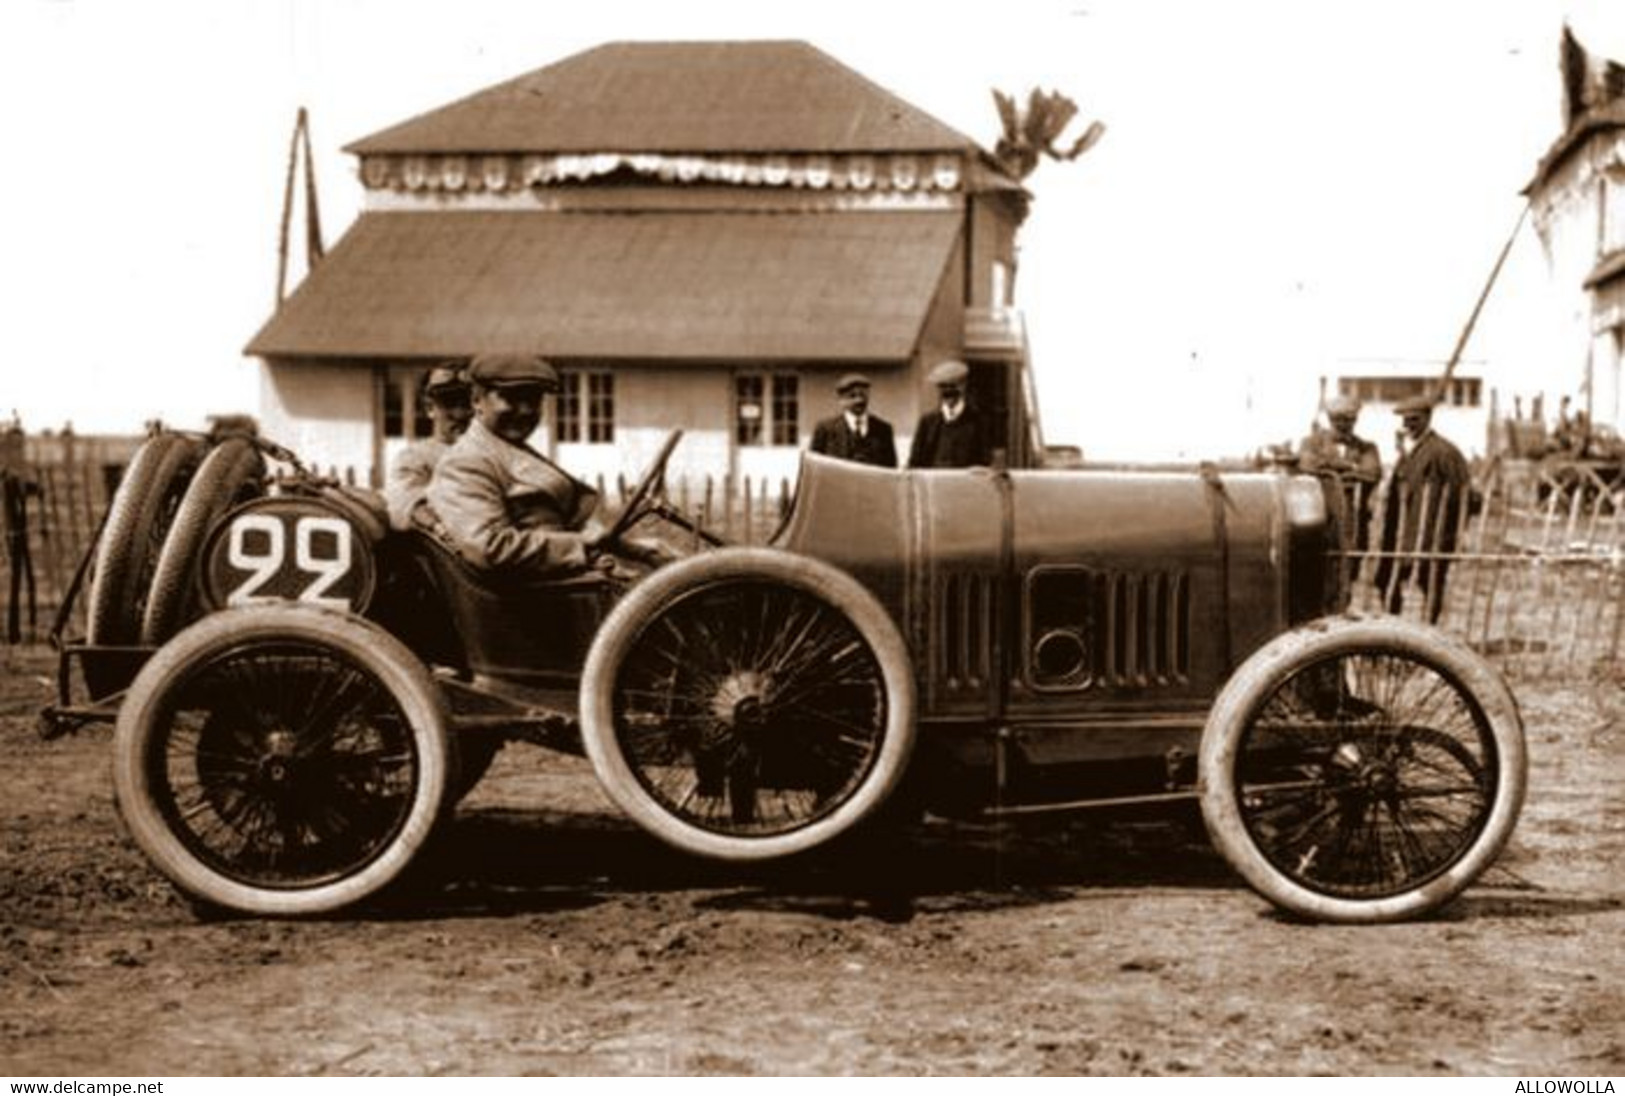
(1071, 538)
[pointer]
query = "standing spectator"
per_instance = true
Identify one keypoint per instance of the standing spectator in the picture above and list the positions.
(1355, 466)
(16, 484)
(446, 391)
(1426, 497)
(953, 434)
(855, 434)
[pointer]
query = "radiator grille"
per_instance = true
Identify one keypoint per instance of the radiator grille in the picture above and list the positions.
(1130, 629)
(964, 630)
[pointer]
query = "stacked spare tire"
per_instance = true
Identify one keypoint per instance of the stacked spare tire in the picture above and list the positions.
(142, 584)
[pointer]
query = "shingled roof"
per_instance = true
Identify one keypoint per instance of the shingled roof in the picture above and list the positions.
(677, 97)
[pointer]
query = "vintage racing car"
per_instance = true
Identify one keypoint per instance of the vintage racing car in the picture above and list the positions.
(301, 695)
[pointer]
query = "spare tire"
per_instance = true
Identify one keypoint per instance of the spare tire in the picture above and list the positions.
(232, 473)
(137, 520)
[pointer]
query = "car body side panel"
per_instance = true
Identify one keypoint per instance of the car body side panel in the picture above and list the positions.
(1100, 597)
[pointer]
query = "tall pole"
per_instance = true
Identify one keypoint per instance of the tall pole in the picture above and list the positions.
(1478, 307)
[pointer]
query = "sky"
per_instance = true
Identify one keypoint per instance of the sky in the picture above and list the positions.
(1284, 190)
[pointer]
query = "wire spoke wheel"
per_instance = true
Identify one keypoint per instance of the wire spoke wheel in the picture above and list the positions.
(1362, 770)
(750, 708)
(281, 761)
(283, 765)
(748, 704)
(1366, 775)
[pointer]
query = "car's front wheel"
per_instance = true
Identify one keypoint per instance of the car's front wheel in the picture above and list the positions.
(748, 704)
(1362, 770)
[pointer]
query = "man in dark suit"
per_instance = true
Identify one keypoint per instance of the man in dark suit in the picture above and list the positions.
(952, 435)
(1428, 499)
(855, 434)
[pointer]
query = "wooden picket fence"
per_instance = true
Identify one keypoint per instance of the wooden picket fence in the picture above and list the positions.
(1534, 575)
(56, 489)
(61, 493)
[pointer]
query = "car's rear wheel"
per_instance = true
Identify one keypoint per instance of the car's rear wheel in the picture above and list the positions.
(232, 473)
(748, 704)
(1362, 770)
(133, 534)
(281, 761)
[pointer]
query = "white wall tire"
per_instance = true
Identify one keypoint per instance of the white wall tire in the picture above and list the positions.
(1362, 770)
(281, 761)
(786, 716)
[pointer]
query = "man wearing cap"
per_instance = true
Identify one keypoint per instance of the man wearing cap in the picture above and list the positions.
(500, 503)
(952, 435)
(445, 393)
(1353, 463)
(1427, 498)
(855, 434)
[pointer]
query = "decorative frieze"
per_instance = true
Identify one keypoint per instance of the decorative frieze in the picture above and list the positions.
(499, 172)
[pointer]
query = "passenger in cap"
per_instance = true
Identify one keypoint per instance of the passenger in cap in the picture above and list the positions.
(953, 434)
(1354, 465)
(1429, 497)
(502, 504)
(855, 434)
(444, 392)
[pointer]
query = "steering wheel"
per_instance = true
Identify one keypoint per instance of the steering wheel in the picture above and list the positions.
(654, 477)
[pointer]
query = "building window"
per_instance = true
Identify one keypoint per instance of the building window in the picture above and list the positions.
(767, 408)
(586, 407)
(422, 425)
(748, 410)
(1463, 391)
(1001, 294)
(600, 407)
(786, 408)
(394, 407)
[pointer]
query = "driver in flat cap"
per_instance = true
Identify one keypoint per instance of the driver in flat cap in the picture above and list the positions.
(501, 504)
(855, 434)
(445, 393)
(952, 435)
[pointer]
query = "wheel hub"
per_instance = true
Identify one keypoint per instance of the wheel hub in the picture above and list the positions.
(277, 756)
(1374, 775)
(740, 701)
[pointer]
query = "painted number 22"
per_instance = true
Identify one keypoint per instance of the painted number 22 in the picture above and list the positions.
(259, 543)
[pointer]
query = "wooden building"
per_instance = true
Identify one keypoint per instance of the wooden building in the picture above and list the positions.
(1577, 199)
(699, 235)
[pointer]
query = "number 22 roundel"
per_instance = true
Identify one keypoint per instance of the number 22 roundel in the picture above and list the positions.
(287, 549)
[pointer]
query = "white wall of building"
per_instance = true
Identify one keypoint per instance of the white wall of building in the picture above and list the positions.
(322, 412)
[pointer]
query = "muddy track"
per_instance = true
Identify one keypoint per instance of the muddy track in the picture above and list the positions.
(545, 935)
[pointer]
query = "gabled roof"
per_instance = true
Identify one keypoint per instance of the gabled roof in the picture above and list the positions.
(677, 96)
(1603, 119)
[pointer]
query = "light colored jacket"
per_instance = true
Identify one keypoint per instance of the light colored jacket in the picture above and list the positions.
(505, 506)
(409, 478)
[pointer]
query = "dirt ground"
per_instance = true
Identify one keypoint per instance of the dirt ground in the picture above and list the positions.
(546, 936)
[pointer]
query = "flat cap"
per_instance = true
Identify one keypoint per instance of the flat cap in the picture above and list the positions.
(1342, 405)
(851, 380)
(445, 378)
(1413, 404)
(500, 370)
(949, 372)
